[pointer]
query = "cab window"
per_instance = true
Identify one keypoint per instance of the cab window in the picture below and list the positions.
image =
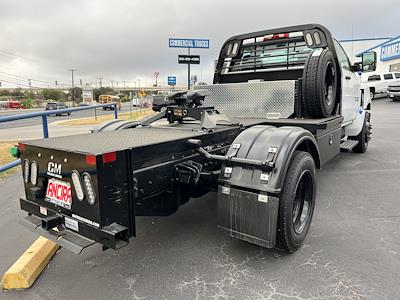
(397, 75)
(342, 57)
(388, 76)
(374, 78)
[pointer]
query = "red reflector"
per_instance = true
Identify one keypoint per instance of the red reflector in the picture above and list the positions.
(109, 157)
(21, 147)
(91, 160)
(280, 36)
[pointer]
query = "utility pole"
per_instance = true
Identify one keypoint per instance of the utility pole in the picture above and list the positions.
(73, 89)
(112, 84)
(135, 90)
(30, 85)
(80, 80)
(56, 82)
(124, 84)
(100, 79)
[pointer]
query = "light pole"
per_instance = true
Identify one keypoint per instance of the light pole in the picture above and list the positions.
(100, 78)
(73, 89)
(30, 86)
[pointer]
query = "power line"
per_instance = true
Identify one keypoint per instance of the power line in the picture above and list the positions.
(10, 54)
(18, 84)
(25, 77)
(16, 77)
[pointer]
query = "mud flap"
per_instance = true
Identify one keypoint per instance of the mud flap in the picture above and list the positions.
(248, 216)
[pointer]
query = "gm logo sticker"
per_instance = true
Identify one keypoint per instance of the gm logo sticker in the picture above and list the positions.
(54, 169)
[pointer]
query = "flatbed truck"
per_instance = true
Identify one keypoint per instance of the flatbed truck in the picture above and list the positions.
(282, 104)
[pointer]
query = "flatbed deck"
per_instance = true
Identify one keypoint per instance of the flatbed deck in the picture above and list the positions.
(109, 141)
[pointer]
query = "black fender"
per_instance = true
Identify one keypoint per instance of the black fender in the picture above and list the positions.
(255, 143)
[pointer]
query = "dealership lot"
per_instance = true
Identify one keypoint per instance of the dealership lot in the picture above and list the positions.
(352, 250)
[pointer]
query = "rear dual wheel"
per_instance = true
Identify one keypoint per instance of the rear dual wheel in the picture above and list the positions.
(296, 203)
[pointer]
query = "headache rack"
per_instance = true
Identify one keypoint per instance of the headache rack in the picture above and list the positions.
(276, 54)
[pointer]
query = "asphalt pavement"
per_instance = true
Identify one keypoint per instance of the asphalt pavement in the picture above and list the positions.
(53, 118)
(351, 252)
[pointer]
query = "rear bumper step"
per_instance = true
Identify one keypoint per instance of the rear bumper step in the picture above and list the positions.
(65, 238)
(52, 227)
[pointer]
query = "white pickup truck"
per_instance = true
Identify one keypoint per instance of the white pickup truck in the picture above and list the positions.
(378, 83)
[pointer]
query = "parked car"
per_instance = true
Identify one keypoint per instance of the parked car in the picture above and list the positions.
(55, 106)
(14, 104)
(10, 104)
(394, 91)
(378, 83)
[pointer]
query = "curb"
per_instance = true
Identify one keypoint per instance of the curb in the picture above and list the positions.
(23, 273)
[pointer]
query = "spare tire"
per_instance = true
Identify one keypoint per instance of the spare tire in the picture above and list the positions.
(320, 83)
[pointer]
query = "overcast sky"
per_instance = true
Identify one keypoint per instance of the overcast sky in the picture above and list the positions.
(128, 40)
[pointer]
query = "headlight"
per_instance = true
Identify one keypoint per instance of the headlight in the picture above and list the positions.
(77, 185)
(87, 182)
(34, 172)
(26, 170)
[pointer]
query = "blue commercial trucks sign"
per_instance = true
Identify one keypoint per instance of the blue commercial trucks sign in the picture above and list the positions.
(171, 80)
(390, 51)
(189, 43)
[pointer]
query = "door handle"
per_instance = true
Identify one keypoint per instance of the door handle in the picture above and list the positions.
(347, 77)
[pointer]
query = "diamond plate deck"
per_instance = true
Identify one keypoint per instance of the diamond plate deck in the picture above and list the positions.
(109, 141)
(267, 99)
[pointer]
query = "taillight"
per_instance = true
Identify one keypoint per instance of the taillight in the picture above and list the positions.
(77, 185)
(89, 190)
(109, 157)
(34, 172)
(26, 170)
(91, 160)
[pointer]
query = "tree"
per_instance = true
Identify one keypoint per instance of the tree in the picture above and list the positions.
(17, 93)
(77, 94)
(29, 95)
(53, 94)
(5, 93)
(103, 91)
(27, 103)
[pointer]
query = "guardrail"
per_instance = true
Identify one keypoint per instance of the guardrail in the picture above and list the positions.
(44, 115)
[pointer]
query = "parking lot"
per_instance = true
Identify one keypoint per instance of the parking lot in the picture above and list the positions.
(352, 250)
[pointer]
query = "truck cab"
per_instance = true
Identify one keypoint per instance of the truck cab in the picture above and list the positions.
(284, 54)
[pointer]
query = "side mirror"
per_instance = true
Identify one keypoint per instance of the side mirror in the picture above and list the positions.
(357, 67)
(369, 61)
